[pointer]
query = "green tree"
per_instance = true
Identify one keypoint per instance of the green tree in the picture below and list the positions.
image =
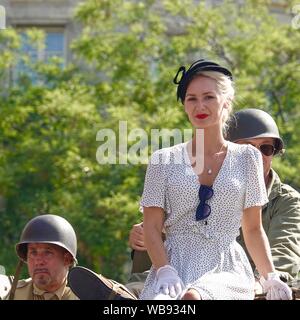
(137, 47)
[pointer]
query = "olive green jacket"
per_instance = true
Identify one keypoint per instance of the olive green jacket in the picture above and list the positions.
(281, 222)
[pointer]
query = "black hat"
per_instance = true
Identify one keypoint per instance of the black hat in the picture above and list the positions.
(196, 67)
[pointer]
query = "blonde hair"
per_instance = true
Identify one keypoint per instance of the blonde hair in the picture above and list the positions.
(224, 86)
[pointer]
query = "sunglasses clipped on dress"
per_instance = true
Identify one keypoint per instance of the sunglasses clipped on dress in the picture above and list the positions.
(203, 210)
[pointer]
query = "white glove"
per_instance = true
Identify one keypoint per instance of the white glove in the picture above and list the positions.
(275, 288)
(168, 281)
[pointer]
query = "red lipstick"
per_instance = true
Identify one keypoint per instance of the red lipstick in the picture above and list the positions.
(201, 116)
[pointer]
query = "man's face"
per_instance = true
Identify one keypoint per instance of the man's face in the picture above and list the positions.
(257, 142)
(48, 265)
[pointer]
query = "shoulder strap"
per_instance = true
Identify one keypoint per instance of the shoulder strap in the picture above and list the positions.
(15, 281)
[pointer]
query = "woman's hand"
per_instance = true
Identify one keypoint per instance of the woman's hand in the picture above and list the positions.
(168, 281)
(275, 288)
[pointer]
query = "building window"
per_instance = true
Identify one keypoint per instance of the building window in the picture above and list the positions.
(53, 45)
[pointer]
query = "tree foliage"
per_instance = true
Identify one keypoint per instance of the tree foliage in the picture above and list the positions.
(125, 59)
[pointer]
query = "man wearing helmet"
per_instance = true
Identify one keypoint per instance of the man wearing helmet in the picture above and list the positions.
(48, 246)
(281, 215)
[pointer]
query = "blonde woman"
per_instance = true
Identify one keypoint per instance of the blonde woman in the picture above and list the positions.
(200, 193)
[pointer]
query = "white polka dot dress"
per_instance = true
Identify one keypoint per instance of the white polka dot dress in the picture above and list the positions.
(205, 253)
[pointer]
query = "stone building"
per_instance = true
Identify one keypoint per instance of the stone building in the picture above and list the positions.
(55, 17)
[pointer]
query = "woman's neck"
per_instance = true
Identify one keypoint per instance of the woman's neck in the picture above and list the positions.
(211, 141)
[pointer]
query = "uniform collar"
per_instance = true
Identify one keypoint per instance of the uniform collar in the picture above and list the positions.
(274, 186)
(48, 295)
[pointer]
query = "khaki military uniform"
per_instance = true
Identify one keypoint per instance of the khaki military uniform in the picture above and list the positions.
(26, 290)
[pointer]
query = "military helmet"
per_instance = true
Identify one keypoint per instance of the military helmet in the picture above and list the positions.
(254, 123)
(48, 228)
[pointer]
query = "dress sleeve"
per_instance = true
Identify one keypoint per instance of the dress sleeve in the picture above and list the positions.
(256, 193)
(154, 194)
